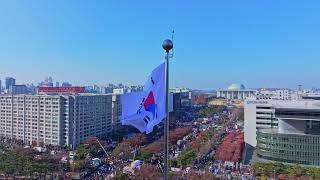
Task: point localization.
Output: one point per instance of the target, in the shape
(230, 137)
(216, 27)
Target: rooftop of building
(297, 104)
(237, 87)
(284, 104)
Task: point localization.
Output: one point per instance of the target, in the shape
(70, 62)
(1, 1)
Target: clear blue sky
(259, 43)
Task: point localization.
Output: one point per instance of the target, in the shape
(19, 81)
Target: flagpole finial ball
(167, 45)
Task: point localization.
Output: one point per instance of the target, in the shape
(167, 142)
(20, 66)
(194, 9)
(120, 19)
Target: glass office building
(296, 140)
(290, 148)
(283, 130)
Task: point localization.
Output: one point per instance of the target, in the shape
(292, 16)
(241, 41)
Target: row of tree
(210, 111)
(22, 163)
(285, 171)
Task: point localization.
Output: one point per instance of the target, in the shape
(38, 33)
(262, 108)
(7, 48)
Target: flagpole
(167, 46)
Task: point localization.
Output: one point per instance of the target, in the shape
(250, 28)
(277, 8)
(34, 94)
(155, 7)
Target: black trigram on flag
(146, 119)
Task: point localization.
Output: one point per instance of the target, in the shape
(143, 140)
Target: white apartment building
(119, 91)
(64, 120)
(267, 94)
(283, 94)
(278, 94)
(116, 110)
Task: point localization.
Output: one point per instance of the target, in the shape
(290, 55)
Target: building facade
(282, 130)
(258, 114)
(279, 94)
(289, 148)
(118, 91)
(283, 94)
(116, 111)
(64, 120)
(18, 89)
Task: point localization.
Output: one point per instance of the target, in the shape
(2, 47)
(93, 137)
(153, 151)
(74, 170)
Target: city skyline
(259, 44)
(55, 83)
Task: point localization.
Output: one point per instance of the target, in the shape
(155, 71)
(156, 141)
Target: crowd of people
(100, 172)
(110, 166)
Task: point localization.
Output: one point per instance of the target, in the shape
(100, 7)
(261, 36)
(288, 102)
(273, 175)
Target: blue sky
(259, 43)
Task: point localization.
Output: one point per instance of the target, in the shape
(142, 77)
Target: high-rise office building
(9, 82)
(64, 120)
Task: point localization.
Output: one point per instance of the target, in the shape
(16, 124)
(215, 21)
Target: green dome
(236, 86)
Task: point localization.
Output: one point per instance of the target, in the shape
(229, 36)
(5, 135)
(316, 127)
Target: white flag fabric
(146, 109)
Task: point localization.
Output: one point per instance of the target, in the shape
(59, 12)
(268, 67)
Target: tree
(16, 163)
(295, 170)
(285, 171)
(240, 113)
(260, 168)
(210, 111)
(144, 155)
(178, 134)
(78, 165)
(200, 176)
(91, 141)
(82, 151)
(203, 143)
(124, 149)
(136, 140)
(186, 158)
(313, 172)
(120, 176)
(154, 148)
(175, 175)
(148, 171)
(25, 151)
